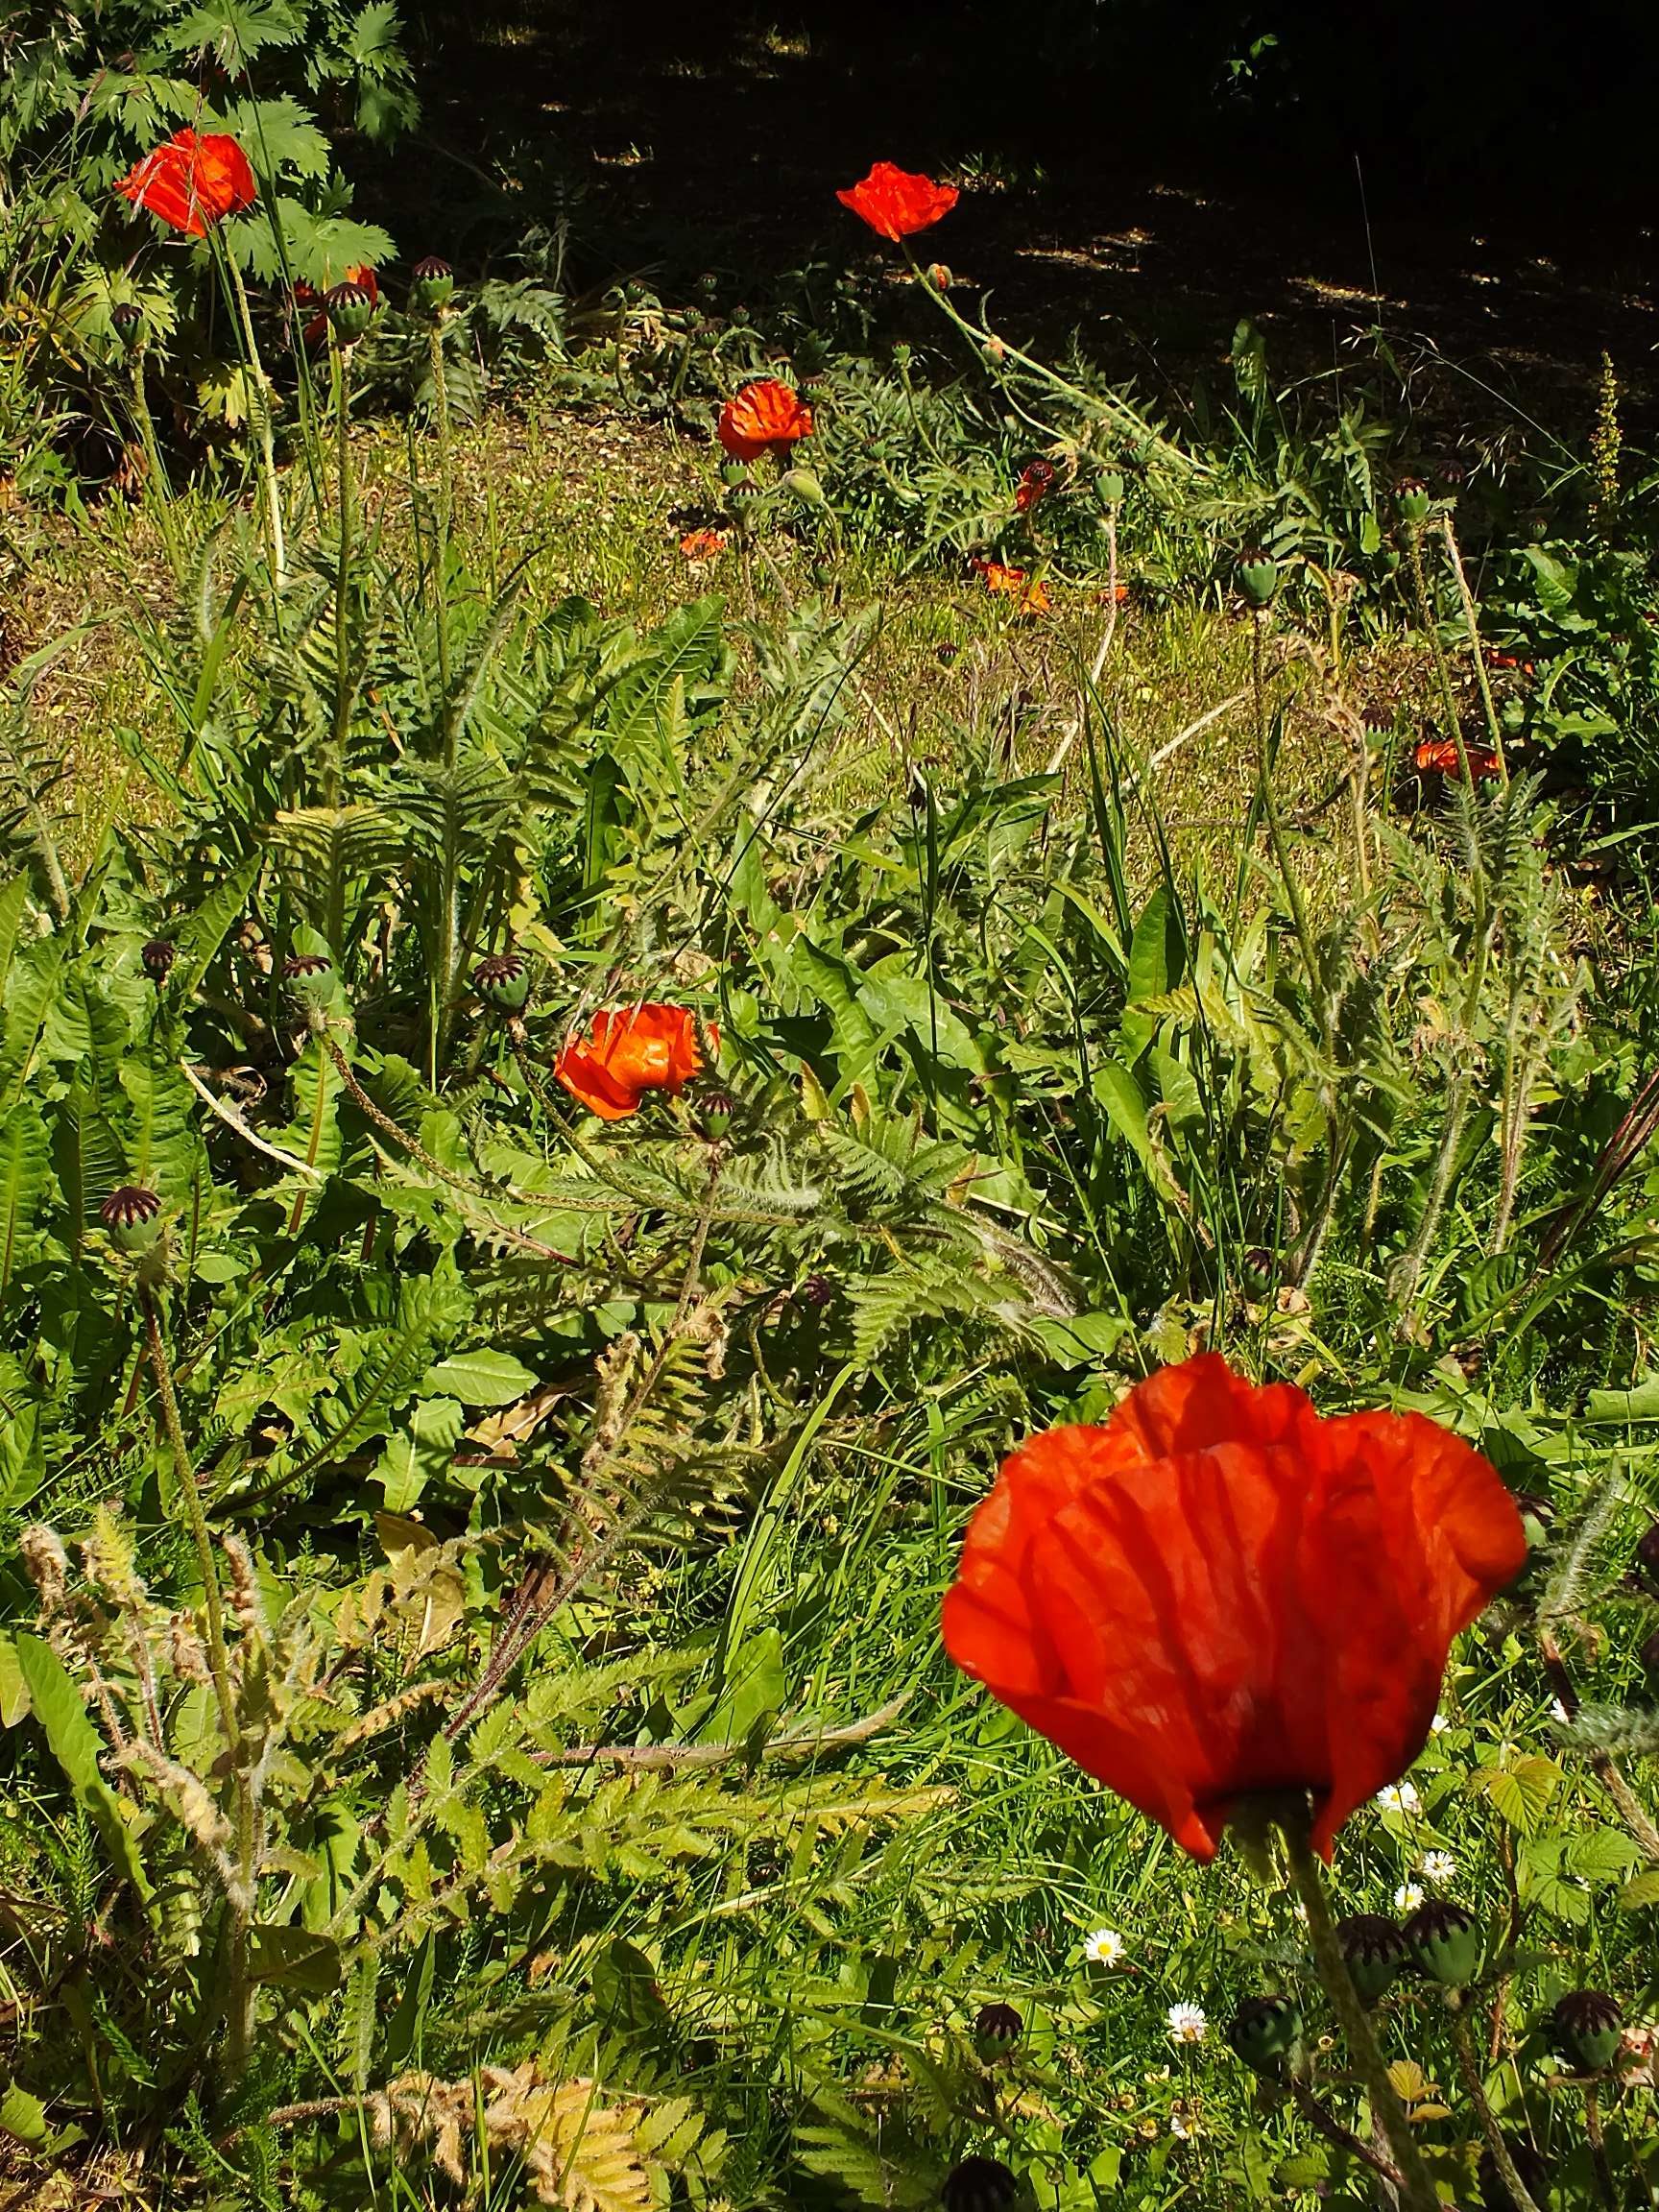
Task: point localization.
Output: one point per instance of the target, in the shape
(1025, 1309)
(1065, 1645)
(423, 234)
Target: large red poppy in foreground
(896, 202)
(192, 182)
(1221, 1593)
(765, 417)
(626, 1053)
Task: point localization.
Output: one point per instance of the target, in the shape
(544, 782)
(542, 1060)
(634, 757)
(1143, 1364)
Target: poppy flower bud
(1445, 1940)
(1588, 2027)
(1495, 2196)
(1374, 1951)
(158, 956)
(132, 1217)
(503, 981)
(1258, 577)
(1411, 494)
(128, 319)
(350, 309)
(1265, 2032)
(431, 286)
(938, 275)
(980, 2185)
(996, 2032)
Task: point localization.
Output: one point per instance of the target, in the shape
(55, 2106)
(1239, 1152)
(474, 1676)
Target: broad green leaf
(481, 1378)
(293, 1959)
(1522, 1792)
(421, 1453)
(74, 1742)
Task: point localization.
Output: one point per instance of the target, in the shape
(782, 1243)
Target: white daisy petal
(1188, 2023)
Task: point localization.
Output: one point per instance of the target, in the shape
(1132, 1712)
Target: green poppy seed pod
(1411, 495)
(128, 319)
(996, 2030)
(350, 309)
(159, 957)
(1445, 1940)
(1588, 2027)
(1258, 577)
(306, 974)
(714, 1111)
(1375, 1953)
(1257, 1271)
(503, 981)
(1495, 2196)
(1265, 2032)
(431, 286)
(132, 1217)
(1111, 487)
(980, 2185)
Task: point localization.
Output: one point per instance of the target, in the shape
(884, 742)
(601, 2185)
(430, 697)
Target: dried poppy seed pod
(159, 957)
(431, 285)
(1265, 2032)
(1375, 1953)
(1495, 2196)
(132, 1217)
(1588, 2026)
(503, 981)
(1258, 577)
(1445, 1941)
(980, 2185)
(127, 318)
(350, 309)
(997, 2029)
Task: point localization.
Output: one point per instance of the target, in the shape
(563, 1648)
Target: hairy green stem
(1468, 2066)
(1431, 630)
(1417, 2192)
(275, 539)
(445, 516)
(341, 581)
(1472, 623)
(161, 493)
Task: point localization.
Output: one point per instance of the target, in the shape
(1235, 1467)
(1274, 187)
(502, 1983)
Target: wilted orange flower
(1438, 757)
(1013, 584)
(307, 295)
(628, 1051)
(1497, 660)
(1221, 1594)
(702, 544)
(191, 182)
(897, 204)
(1036, 482)
(763, 417)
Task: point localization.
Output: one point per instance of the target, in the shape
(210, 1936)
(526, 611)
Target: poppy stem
(1417, 2192)
(1468, 2066)
(1599, 2146)
(1472, 623)
(260, 391)
(1431, 630)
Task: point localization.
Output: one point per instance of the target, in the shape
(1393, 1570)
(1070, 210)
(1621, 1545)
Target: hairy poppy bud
(158, 956)
(1258, 577)
(1265, 2032)
(350, 309)
(1445, 1940)
(1588, 2027)
(132, 1217)
(938, 275)
(996, 2032)
(1412, 497)
(978, 2185)
(1495, 2196)
(503, 981)
(431, 285)
(128, 319)
(1374, 1951)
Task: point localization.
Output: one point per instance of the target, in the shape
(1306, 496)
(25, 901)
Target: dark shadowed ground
(697, 135)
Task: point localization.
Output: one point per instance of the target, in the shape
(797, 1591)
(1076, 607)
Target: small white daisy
(1188, 2023)
(1439, 1724)
(1408, 1897)
(1439, 1867)
(1104, 1948)
(1181, 2128)
(1399, 1797)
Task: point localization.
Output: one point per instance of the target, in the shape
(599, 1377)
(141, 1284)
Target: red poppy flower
(1438, 757)
(1008, 583)
(702, 544)
(1036, 482)
(763, 417)
(627, 1052)
(1221, 1592)
(1497, 660)
(307, 295)
(191, 182)
(896, 203)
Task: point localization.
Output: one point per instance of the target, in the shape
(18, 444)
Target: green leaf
(481, 1378)
(75, 1744)
(13, 1688)
(1520, 1793)
(419, 1453)
(293, 1959)
(1642, 1403)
